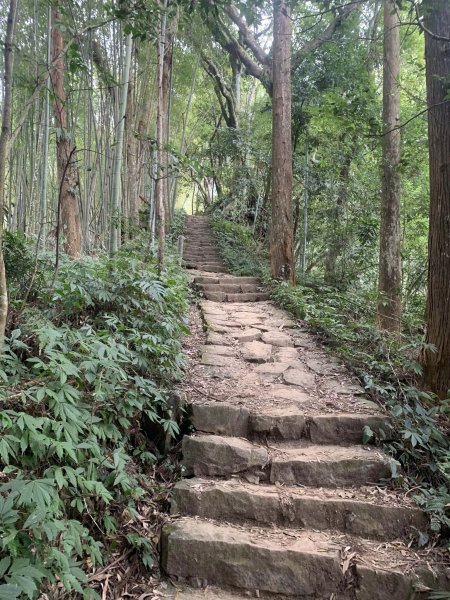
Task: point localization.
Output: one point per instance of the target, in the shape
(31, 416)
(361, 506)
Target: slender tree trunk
(337, 241)
(4, 138)
(281, 232)
(116, 186)
(68, 198)
(160, 199)
(44, 167)
(437, 51)
(390, 268)
(169, 38)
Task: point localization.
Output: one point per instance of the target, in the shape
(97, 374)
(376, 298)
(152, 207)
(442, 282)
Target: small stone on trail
(256, 352)
(299, 377)
(277, 338)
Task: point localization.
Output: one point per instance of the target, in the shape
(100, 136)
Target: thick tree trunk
(437, 50)
(281, 231)
(4, 139)
(390, 269)
(68, 199)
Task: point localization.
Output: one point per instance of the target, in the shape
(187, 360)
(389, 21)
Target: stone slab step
(305, 464)
(227, 280)
(201, 256)
(305, 565)
(185, 592)
(208, 268)
(366, 512)
(330, 466)
(230, 288)
(240, 297)
(286, 423)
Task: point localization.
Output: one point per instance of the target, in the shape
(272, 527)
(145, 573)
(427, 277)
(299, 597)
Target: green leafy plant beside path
(83, 364)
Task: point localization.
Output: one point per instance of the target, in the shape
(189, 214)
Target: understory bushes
(96, 351)
(388, 368)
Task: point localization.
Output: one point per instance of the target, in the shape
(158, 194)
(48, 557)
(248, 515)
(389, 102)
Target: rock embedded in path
(216, 456)
(247, 335)
(277, 338)
(221, 418)
(257, 352)
(218, 360)
(216, 339)
(299, 377)
(218, 349)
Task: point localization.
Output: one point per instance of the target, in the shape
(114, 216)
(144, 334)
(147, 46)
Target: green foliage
(241, 253)
(95, 352)
(21, 265)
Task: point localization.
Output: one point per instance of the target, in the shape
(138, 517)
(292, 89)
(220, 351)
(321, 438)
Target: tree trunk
(169, 39)
(437, 51)
(281, 231)
(5, 134)
(116, 186)
(68, 199)
(160, 199)
(390, 268)
(337, 240)
(45, 138)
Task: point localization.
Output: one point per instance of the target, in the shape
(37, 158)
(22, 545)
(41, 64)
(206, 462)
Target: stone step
(205, 268)
(306, 565)
(227, 280)
(210, 256)
(230, 288)
(305, 464)
(367, 512)
(210, 266)
(241, 297)
(285, 423)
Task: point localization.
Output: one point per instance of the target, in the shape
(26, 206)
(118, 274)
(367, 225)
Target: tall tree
(69, 197)
(390, 269)
(116, 185)
(282, 230)
(437, 54)
(160, 188)
(4, 139)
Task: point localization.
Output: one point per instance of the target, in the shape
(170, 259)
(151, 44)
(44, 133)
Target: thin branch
(419, 114)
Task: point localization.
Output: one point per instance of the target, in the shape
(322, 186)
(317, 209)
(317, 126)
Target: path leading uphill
(281, 497)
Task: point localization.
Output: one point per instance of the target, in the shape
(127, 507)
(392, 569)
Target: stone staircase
(281, 498)
(201, 254)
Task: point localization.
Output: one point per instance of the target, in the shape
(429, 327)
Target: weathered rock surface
(366, 515)
(257, 352)
(329, 466)
(306, 565)
(213, 455)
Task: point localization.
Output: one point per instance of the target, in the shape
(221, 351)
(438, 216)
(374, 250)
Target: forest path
(281, 497)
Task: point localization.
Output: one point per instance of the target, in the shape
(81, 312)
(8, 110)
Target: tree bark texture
(437, 52)
(390, 268)
(161, 201)
(65, 156)
(281, 230)
(4, 139)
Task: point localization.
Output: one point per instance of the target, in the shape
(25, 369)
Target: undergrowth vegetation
(387, 367)
(87, 359)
